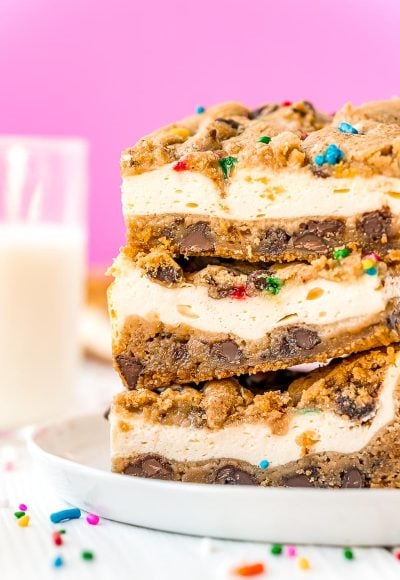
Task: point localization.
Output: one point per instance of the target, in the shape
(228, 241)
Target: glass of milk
(43, 190)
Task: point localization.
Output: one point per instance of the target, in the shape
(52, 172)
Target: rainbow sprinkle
(200, 109)
(303, 563)
(23, 522)
(340, 253)
(264, 139)
(250, 569)
(369, 264)
(58, 562)
(70, 514)
(87, 555)
(92, 519)
(264, 464)
(274, 285)
(23, 507)
(347, 128)
(348, 554)
(276, 549)
(291, 551)
(227, 164)
(331, 155)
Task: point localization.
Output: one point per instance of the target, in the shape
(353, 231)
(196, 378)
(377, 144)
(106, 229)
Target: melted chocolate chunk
(227, 351)
(231, 122)
(180, 352)
(231, 475)
(257, 280)
(150, 466)
(375, 224)
(305, 338)
(325, 228)
(198, 238)
(310, 243)
(297, 480)
(265, 110)
(130, 369)
(274, 242)
(352, 478)
(168, 274)
(347, 406)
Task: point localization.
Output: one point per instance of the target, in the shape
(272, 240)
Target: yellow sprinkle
(181, 131)
(24, 521)
(303, 563)
(367, 263)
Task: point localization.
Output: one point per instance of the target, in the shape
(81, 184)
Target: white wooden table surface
(122, 551)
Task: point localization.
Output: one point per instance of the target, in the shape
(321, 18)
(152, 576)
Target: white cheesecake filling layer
(253, 442)
(133, 294)
(253, 194)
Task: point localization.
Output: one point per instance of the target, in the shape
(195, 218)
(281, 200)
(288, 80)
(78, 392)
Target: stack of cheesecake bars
(258, 241)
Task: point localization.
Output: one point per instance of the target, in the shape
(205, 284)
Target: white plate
(74, 455)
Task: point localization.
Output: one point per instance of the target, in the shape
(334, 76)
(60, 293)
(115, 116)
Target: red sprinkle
(397, 554)
(239, 292)
(180, 166)
(57, 538)
(250, 569)
(287, 103)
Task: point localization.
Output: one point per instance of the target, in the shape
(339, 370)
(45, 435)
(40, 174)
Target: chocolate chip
(375, 224)
(130, 369)
(106, 413)
(324, 228)
(348, 406)
(265, 110)
(230, 122)
(318, 172)
(309, 242)
(297, 480)
(150, 466)
(305, 338)
(167, 274)
(394, 318)
(180, 352)
(198, 238)
(227, 351)
(257, 280)
(352, 478)
(231, 475)
(274, 242)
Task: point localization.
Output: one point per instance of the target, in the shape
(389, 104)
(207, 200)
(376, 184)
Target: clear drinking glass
(43, 190)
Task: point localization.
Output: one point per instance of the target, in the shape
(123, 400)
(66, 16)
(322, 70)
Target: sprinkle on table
(227, 164)
(332, 155)
(396, 553)
(200, 109)
(276, 549)
(340, 253)
(264, 463)
(348, 554)
(273, 285)
(87, 555)
(58, 562)
(19, 514)
(347, 128)
(248, 570)
(57, 539)
(23, 507)
(303, 563)
(92, 519)
(264, 139)
(291, 551)
(23, 522)
(63, 515)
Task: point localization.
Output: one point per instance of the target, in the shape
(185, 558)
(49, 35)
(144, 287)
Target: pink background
(112, 70)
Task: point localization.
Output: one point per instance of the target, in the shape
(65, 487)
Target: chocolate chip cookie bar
(280, 183)
(337, 426)
(192, 320)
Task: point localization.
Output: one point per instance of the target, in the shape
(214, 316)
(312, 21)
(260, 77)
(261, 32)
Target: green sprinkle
(62, 531)
(264, 139)
(19, 514)
(348, 554)
(226, 164)
(273, 285)
(276, 549)
(87, 555)
(340, 253)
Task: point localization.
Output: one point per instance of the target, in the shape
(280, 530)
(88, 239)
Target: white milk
(41, 280)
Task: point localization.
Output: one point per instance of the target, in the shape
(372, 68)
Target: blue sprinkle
(333, 154)
(263, 464)
(200, 109)
(58, 562)
(319, 159)
(347, 128)
(371, 271)
(71, 514)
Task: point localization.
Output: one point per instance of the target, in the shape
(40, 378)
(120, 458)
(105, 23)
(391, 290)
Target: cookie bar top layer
(255, 183)
(247, 302)
(339, 408)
